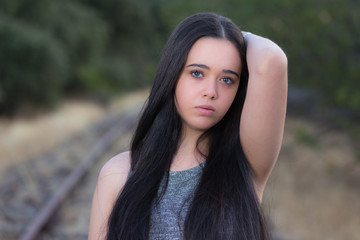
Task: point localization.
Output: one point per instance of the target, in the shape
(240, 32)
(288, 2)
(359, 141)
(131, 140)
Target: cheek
(228, 100)
(179, 89)
(182, 92)
(180, 96)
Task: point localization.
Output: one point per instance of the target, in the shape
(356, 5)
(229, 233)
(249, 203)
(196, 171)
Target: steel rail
(34, 229)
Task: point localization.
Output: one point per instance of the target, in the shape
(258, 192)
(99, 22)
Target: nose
(210, 90)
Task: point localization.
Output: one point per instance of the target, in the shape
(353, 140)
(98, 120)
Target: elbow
(279, 59)
(273, 61)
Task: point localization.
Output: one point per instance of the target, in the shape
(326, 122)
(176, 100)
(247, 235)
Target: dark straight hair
(225, 205)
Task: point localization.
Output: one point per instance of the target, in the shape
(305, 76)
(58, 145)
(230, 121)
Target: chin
(202, 126)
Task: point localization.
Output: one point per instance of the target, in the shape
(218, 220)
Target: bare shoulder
(114, 173)
(111, 180)
(118, 165)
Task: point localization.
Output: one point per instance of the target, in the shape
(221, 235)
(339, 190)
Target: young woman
(205, 144)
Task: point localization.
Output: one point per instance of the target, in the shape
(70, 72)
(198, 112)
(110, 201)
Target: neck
(187, 155)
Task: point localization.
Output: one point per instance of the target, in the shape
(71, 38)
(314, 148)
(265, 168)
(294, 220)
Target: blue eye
(227, 81)
(196, 74)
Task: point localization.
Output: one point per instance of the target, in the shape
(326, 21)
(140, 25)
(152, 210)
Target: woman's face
(208, 83)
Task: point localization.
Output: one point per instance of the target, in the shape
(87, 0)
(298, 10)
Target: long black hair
(225, 205)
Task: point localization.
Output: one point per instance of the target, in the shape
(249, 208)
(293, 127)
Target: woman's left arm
(263, 115)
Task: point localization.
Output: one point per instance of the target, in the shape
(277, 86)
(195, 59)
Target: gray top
(168, 216)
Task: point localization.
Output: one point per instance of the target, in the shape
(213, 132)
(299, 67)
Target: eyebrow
(207, 67)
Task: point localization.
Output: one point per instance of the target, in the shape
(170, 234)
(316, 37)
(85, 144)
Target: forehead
(215, 53)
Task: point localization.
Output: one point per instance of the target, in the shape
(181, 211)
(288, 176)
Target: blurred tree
(50, 41)
(32, 65)
(105, 45)
(134, 37)
(322, 42)
(81, 32)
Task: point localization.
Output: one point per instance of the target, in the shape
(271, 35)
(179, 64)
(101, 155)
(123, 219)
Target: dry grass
(24, 138)
(314, 190)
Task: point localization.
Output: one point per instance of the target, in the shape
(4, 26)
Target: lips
(205, 109)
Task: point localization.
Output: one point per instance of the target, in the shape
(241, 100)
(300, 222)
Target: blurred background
(65, 66)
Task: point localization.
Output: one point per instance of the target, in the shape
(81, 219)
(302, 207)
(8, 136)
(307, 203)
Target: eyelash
(196, 73)
(227, 78)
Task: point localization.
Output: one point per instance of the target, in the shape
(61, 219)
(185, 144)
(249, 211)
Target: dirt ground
(24, 138)
(313, 192)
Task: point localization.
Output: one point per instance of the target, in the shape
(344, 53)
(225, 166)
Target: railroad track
(50, 197)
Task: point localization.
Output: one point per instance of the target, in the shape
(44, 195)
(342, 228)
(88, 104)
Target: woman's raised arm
(263, 116)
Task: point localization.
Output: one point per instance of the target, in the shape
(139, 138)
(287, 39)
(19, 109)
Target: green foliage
(322, 43)
(43, 44)
(114, 45)
(32, 65)
(82, 34)
(109, 75)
